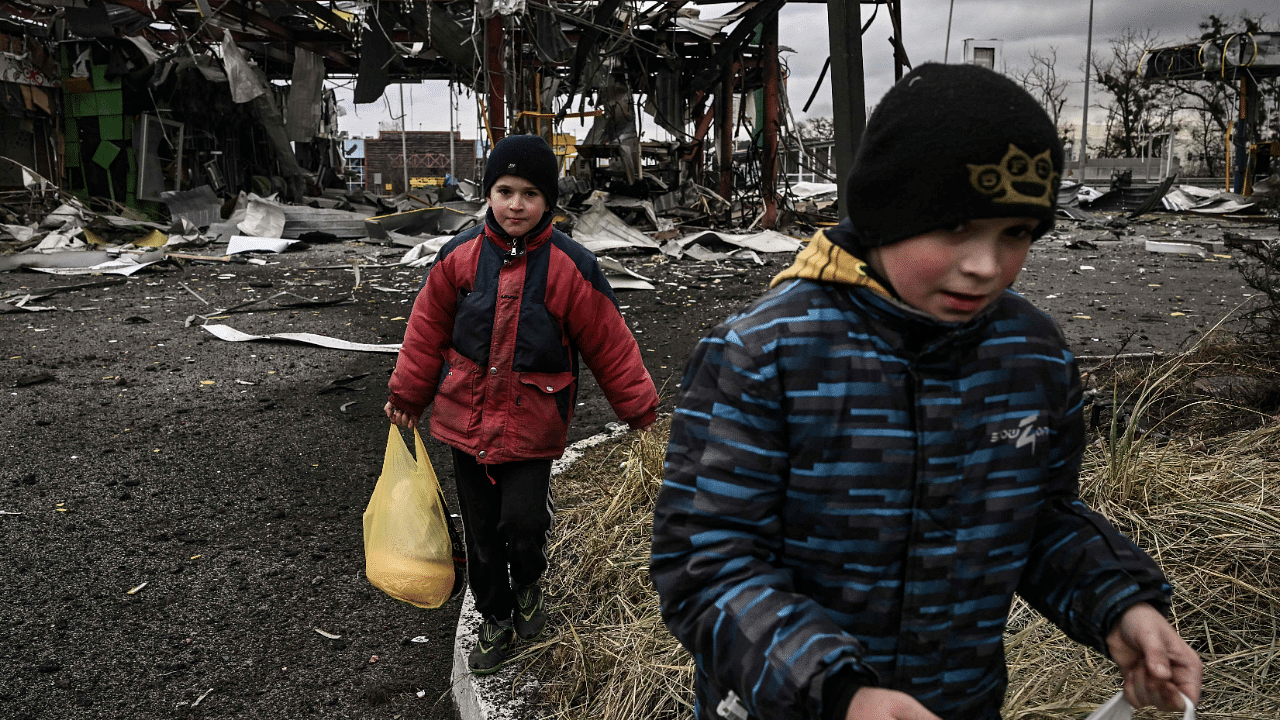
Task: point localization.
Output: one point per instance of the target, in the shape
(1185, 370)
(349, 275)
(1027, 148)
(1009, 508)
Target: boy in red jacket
(494, 340)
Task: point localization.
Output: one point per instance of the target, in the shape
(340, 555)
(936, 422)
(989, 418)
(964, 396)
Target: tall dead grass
(1212, 521)
(607, 654)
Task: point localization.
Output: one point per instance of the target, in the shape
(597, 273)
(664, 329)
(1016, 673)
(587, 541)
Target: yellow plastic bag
(408, 551)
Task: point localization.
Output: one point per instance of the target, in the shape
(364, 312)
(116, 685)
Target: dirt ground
(223, 483)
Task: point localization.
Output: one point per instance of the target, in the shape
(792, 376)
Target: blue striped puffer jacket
(854, 492)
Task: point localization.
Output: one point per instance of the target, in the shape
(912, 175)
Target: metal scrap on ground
(230, 334)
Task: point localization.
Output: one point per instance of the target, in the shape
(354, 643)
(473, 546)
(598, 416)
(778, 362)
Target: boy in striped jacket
(870, 460)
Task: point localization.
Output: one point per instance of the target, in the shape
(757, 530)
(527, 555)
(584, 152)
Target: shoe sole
(489, 671)
(486, 671)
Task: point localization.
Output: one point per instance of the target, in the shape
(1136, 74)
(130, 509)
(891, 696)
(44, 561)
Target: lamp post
(947, 48)
(404, 153)
(1084, 122)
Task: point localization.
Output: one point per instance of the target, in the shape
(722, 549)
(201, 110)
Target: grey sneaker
(493, 643)
(531, 615)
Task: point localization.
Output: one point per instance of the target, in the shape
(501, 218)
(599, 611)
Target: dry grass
(1211, 519)
(608, 655)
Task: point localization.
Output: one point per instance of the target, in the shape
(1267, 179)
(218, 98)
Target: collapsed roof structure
(170, 95)
(1243, 58)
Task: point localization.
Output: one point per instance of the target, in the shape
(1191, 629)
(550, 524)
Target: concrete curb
(491, 697)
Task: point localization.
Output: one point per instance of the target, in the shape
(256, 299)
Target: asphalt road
(182, 515)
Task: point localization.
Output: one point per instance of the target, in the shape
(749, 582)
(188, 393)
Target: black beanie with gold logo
(949, 143)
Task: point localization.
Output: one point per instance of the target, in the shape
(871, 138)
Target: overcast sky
(1021, 25)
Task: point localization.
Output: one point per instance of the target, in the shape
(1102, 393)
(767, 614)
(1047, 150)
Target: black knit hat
(526, 156)
(949, 143)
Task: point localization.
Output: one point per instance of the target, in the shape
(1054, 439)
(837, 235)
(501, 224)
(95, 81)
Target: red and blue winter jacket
(494, 339)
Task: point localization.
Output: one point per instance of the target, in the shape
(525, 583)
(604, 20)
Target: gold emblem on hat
(1017, 179)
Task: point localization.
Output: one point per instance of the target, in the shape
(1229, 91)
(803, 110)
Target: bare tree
(1207, 109)
(1044, 84)
(817, 128)
(1139, 109)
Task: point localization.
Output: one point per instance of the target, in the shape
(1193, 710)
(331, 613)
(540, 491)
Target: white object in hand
(1117, 708)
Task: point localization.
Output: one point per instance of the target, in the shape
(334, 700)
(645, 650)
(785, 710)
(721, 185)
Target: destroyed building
(127, 105)
(137, 98)
(146, 98)
(29, 128)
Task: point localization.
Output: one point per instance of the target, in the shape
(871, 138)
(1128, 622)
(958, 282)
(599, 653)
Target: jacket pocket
(543, 406)
(456, 410)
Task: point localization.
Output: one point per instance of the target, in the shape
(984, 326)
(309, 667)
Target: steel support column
(494, 41)
(899, 47)
(848, 95)
(1241, 132)
(724, 132)
(769, 159)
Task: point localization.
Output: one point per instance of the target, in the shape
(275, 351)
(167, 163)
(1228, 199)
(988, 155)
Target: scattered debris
(201, 207)
(263, 218)
(447, 219)
(600, 230)
(620, 278)
(20, 305)
(342, 384)
(230, 334)
(424, 253)
(1081, 245)
(243, 243)
(203, 695)
(193, 292)
(1176, 248)
(768, 241)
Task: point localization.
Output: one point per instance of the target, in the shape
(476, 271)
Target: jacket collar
(826, 261)
(829, 258)
(515, 247)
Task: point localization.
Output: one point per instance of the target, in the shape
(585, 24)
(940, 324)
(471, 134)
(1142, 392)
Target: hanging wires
(792, 128)
(625, 34)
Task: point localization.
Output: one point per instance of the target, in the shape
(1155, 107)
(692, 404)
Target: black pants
(507, 515)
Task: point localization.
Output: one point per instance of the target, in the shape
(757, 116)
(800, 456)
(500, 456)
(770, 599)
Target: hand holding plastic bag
(1117, 708)
(408, 548)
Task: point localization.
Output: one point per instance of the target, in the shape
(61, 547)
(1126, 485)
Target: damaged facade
(207, 110)
(29, 105)
(146, 97)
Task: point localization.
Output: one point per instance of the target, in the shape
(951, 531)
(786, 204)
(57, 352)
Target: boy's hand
(873, 703)
(398, 416)
(1156, 663)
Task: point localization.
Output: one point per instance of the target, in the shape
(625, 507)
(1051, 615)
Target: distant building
(428, 155)
(353, 152)
(987, 53)
(816, 163)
